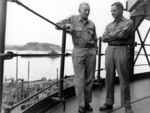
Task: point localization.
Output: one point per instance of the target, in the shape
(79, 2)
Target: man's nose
(87, 12)
(112, 13)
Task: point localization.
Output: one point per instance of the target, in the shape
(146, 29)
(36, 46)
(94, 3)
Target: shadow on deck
(140, 98)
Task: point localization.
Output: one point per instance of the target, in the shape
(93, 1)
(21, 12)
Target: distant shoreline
(34, 46)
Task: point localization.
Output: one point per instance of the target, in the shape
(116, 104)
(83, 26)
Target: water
(39, 67)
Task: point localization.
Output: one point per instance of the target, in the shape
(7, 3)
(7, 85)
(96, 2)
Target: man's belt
(118, 44)
(85, 46)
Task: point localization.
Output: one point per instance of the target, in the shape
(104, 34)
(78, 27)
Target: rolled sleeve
(125, 31)
(106, 37)
(64, 22)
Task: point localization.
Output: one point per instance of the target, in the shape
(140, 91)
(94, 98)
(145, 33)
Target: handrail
(3, 10)
(61, 76)
(10, 55)
(19, 3)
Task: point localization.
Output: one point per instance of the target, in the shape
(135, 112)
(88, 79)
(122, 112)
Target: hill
(35, 46)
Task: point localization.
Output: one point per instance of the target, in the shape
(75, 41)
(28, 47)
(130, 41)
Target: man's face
(84, 11)
(116, 12)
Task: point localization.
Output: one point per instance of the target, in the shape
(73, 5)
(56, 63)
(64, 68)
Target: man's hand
(69, 27)
(112, 35)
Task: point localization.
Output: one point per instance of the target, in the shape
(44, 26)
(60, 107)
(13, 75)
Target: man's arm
(125, 31)
(108, 36)
(66, 23)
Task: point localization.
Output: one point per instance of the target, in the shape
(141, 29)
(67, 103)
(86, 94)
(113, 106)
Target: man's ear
(79, 10)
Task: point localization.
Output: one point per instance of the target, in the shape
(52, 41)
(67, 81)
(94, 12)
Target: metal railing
(9, 55)
(35, 95)
(3, 4)
(3, 7)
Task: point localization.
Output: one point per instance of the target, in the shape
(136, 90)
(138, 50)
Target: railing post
(132, 48)
(99, 63)
(62, 66)
(3, 8)
(7, 110)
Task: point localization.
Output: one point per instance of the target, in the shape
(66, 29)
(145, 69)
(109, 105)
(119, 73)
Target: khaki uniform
(84, 56)
(118, 58)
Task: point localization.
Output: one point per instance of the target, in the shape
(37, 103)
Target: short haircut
(118, 5)
(84, 3)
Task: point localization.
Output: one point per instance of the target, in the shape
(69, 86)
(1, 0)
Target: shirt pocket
(90, 35)
(78, 32)
(90, 30)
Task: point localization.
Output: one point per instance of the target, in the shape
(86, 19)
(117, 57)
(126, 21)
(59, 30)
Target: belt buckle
(117, 44)
(89, 46)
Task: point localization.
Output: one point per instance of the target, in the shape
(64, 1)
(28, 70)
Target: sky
(22, 26)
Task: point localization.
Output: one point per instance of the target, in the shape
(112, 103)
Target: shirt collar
(80, 19)
(120, 19)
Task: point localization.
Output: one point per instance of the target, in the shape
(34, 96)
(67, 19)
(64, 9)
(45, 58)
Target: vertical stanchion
(28, 77)
(17, 91)
(57, 77)
(132, 58)
(62, 67)
(99, 63)
(132, 47)
(3, 8)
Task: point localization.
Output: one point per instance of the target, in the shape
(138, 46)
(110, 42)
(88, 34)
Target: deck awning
(139, 8)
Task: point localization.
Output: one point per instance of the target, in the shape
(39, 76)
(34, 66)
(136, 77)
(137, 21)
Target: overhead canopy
(139, 8)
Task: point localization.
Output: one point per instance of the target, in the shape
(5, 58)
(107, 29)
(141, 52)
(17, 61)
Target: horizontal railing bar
(11, 55)
(143, 54)
(140, 64)
(144, 44)
(41, 55)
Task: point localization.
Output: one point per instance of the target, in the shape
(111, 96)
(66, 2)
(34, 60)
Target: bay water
(36, 68)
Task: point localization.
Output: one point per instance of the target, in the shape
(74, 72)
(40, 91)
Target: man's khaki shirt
(121, 30)
(83, 34)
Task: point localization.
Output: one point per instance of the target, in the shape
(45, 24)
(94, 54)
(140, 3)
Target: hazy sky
(23, 26)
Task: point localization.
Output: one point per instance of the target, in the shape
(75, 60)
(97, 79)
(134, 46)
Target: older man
(84, 38)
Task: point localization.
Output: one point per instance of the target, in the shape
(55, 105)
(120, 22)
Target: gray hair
(84, 3)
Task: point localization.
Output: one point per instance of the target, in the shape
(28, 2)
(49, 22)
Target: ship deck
(140, 99)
